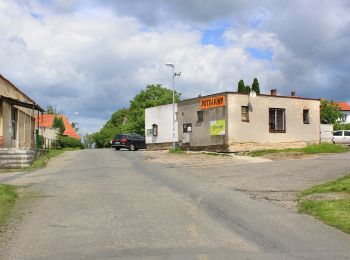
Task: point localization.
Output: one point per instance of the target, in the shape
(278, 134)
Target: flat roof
(237, 93)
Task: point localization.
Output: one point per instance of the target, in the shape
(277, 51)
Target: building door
(14, 119)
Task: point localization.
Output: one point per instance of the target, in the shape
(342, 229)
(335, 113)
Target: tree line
(132, 119)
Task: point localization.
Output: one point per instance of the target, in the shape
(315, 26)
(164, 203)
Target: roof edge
(16, 88)
(264, 95)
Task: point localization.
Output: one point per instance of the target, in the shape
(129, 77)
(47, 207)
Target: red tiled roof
(46, 120)
(344, 106)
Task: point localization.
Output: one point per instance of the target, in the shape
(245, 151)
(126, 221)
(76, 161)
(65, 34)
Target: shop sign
(218, 101)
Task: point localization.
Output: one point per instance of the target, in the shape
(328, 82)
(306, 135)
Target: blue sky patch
(214, 35)
(255, 23)
(36, 16)
(260, 54)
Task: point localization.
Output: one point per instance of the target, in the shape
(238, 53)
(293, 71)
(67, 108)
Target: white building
(345, 109)
(159, 127)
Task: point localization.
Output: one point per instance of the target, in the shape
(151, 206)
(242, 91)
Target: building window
(187, 128)
(14, 113)
(277, 120)
(176, 115)
(155, 130)
(199, 116)
(306, 117)
(244, 114)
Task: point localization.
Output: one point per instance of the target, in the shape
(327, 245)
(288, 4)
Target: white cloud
(93, 56)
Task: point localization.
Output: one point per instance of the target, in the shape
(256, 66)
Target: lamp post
(172, 65)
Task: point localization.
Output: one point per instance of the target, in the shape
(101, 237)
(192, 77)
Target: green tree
(50, 110)
(330, 112)
(58, 123)
(88, 140)
(241, 87)
(247, 89)
(154, 95)
(75, 126)
(132, 119)
(255, 86)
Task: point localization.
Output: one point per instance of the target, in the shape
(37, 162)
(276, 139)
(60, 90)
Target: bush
(70, 142)
(340, 126)
(40, 141)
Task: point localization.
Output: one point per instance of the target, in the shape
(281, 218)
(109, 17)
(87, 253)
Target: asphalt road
(104, 204)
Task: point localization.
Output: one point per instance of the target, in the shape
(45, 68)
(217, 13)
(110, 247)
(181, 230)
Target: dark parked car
(131, 141)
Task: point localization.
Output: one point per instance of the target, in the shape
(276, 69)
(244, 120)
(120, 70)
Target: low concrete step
(16, 158)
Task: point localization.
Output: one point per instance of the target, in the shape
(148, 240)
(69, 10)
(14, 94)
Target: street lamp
(174, 74)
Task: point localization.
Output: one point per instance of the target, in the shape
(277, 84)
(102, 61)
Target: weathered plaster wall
(255, 133)
(25, 119)
(200, 135)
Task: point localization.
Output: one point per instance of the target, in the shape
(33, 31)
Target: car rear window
(118, 137)
(346, 133)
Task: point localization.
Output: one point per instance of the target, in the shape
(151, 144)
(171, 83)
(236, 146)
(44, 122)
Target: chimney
(273, 92)
(293, 94)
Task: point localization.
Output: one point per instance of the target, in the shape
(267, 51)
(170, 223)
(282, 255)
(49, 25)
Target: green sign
(217, 127)
(149, 131)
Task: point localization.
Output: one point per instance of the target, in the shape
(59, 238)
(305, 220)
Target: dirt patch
(287, 155)
(197, 159)
(285, 199)
(328, 196)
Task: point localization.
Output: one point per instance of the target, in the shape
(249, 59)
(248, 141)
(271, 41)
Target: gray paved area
(103, 204)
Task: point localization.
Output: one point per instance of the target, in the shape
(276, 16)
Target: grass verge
(311, 149)
(334, 212)
(8, 198)
(42, 161)
(177, 150)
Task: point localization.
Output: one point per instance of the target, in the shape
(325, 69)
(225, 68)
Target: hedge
(67, 141)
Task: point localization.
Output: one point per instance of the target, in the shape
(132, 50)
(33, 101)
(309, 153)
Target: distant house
(231, 122)
(345, 109)
(17, 117)
(44, 122)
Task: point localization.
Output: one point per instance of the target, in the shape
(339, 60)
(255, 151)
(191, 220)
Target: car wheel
(117, 148)
(132, 147)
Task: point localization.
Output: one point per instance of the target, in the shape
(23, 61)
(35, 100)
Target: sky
(89, 58)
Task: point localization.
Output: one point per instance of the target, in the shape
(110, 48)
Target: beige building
(231, 121)
(17, 117)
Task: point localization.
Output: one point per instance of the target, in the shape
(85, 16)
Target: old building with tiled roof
(345, 109)
(45, 121)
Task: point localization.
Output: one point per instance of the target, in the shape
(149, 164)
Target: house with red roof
(44, 122)
(345, 109)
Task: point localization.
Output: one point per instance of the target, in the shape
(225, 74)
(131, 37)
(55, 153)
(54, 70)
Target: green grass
(333, 212)
(311, 149)
(42, 161)
(340, 185)
(324, 148)
(177, 150)
(7, 201)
